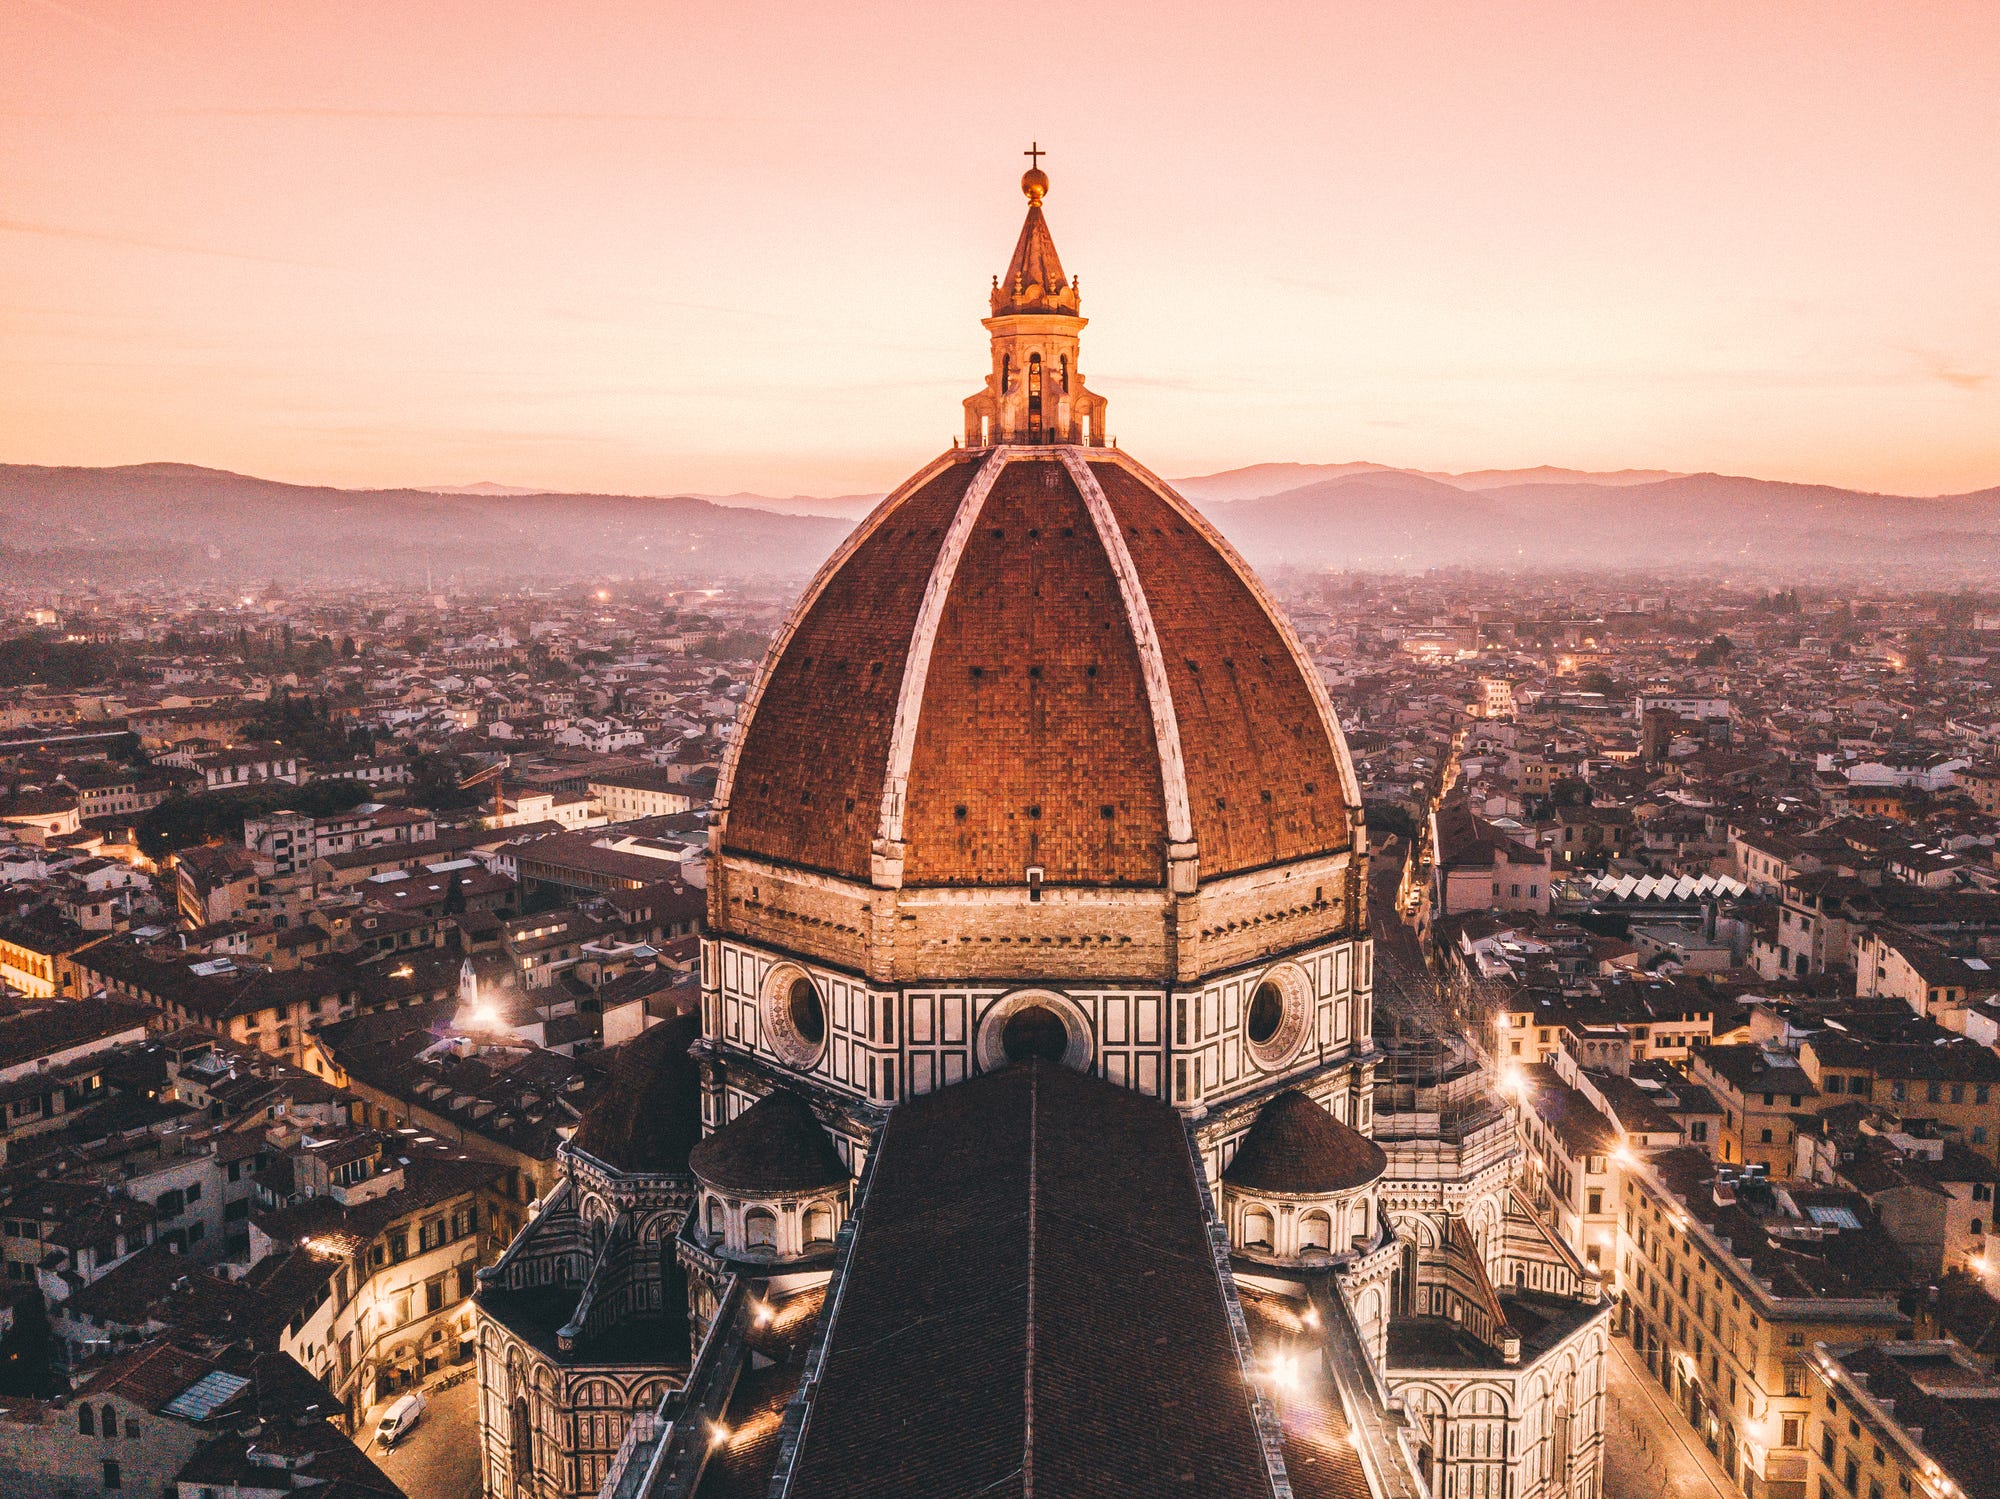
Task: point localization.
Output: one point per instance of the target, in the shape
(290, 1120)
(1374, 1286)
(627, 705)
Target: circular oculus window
(794, 1018)
(1278, 1018)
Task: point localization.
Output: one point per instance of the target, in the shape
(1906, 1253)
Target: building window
(760, 1229)
(86, 1421)
(1791, 1436)
(1257, 1229)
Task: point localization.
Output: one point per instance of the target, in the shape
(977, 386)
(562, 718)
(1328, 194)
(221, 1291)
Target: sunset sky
(655, 247)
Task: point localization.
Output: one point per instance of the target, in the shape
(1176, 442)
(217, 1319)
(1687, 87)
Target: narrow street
(440, 1459)
(1649, 1451)
(1404, 988)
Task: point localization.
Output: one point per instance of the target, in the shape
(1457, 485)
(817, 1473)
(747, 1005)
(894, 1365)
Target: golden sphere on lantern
(1035, 183)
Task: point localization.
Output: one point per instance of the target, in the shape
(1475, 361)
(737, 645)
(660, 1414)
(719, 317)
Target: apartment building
(1762, 1092)
(1728, 1280)
(1916, 1420)
(372, 1241)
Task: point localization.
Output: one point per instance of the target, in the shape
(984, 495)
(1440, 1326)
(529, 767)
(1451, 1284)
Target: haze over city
(798, 752)
(659, 249)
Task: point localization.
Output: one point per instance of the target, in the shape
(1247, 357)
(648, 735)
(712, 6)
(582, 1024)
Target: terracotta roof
(1072, 1206)
(148, 1376)
(775, 1145)
(650, 1117)
(1034, 741)
(1295, 1146)
(1951, 1411)
(808, 783)
(1265, 778)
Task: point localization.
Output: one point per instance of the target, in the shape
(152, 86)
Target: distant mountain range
(177, 521)
(1263, 479)
(1397, 520)
(850, 507)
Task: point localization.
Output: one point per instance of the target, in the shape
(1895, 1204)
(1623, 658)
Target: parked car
(400, 1419)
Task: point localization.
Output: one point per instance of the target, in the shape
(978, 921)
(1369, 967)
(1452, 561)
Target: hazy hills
(170, 520)
(1397, 520)
(848, 507)
(1262, 479)
(174, 520)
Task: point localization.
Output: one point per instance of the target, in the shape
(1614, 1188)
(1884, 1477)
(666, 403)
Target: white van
(400, 1419)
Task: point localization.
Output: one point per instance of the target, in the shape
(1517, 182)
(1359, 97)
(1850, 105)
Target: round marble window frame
(990, 1046)
(1295, 1023)
(774, 1014)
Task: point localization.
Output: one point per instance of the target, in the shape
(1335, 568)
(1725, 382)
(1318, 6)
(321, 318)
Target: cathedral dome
(1297, 1148)
(1034, 721)
(1038, 659)
(775, 1147)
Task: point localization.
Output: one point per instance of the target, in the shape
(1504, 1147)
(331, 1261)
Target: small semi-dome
(775, 1147)
(1298, 1148)
(649, 1117)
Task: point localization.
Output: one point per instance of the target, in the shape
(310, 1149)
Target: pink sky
(656, 247)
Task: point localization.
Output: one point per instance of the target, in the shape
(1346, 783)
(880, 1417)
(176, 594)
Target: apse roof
(1032, 1305)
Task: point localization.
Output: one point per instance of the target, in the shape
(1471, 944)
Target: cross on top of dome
(1035, 281)
(1035, 181)
(1035, 393)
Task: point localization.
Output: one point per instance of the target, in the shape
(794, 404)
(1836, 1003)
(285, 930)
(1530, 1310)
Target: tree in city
(1717, 651)
(28, 1352)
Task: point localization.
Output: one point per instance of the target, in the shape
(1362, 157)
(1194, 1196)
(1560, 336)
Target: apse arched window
(715, 1217)
(819, 1224)
(522, 1440)
(1062, 370)
(1256, 1229)
(1006, 373)
(1035, 395)
(108, 1421)
(86, 1421)
(760, 1229)
(1315, 1232)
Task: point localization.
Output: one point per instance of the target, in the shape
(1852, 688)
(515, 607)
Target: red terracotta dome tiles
(1034, 747)
(1264, 779)
(808, 784)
